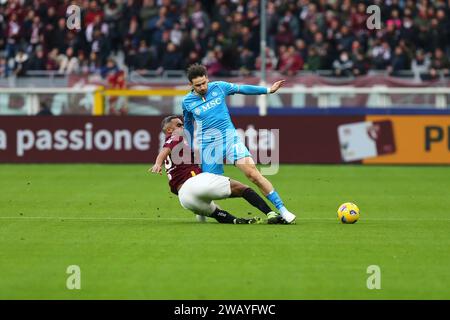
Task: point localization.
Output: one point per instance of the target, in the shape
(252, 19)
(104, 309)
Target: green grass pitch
(132, 240)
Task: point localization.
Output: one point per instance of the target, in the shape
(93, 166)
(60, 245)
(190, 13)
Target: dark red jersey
(178, 170)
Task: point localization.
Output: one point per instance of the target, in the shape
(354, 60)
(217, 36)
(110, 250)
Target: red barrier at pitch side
(291, 139)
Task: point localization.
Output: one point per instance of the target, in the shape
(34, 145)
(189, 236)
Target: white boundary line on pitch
(186, 219)
(90, 218)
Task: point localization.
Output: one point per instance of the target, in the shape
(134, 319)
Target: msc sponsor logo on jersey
(208, 105)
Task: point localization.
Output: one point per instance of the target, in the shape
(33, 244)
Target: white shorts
(197, 193)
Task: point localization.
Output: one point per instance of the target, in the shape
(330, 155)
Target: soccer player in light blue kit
(216, 134)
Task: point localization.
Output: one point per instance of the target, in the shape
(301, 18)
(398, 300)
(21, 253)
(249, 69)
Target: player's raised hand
(277, 85)
(155, 169)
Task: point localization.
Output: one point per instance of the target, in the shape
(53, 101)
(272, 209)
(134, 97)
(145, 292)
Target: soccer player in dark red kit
(196, 190)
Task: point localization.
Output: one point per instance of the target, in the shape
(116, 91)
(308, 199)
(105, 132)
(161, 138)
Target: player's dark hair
(196, 70)
(166, 121)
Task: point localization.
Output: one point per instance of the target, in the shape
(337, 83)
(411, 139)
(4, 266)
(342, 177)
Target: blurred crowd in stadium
(162, 35)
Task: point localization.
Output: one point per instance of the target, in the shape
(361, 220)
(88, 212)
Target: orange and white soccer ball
(348, 212)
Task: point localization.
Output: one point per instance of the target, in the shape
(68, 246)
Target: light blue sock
(276, 200)
(283, 210)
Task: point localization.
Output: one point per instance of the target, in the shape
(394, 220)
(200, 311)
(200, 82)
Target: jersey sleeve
(188, 121)
(232, 88)
(228, 88)
(252, 90)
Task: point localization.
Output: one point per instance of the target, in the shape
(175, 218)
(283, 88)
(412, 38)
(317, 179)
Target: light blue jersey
(216, 134)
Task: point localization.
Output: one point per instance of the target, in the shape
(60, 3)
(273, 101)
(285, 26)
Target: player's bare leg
(248, 167)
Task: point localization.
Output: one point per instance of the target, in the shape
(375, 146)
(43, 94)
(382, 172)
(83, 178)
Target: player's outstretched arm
(256, 90)
(157, 167)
